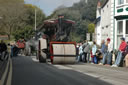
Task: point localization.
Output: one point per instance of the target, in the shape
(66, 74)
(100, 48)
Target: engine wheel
(42, 60)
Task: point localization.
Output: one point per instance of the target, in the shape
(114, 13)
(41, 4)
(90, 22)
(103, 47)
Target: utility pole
(35, 19)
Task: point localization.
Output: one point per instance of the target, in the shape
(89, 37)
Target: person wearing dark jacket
(126, 55)
(3, 46)
(3, 49)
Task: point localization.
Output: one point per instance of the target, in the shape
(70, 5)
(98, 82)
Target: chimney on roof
(99, 4)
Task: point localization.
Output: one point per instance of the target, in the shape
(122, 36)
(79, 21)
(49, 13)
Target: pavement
(28, 71)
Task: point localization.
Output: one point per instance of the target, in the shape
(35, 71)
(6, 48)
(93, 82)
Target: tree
(12, 15)
(30, 10)
(83, 14)
(16, 15)
(25, 33)
(91, 28)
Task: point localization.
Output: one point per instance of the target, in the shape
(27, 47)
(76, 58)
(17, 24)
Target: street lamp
(36, 14)
(35, 19)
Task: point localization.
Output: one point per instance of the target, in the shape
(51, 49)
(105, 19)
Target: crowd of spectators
(16, 47)
(103, 54)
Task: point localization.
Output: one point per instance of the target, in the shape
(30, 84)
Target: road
(27, 71)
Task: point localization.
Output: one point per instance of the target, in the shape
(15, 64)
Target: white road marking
(34, 59)
(10, 74)
(62, 67)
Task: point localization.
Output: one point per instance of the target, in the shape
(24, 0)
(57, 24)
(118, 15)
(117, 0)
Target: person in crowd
(107, 55)
(126, 55)
(103, 47)
(21, 46)
(86, 51)
(110, 51)
(120, 56)
(3, 46)
(12, 49)
(77, 50)
(92, 57)
(3, 49)
(126, 60)
(102, 50)
(16, 49)
(80, 53)
(94, 49)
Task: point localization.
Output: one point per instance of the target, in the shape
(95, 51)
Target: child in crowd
(94, 49)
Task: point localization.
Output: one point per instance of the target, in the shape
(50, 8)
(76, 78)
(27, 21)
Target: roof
(121, 17)
(105, 2)
(55, 21)
(98, 19)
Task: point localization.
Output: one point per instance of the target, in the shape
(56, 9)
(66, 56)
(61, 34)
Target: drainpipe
(114, 28)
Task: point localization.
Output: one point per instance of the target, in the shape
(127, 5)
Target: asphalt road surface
(29, 72)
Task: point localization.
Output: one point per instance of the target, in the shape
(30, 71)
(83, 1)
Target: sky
(48, 6)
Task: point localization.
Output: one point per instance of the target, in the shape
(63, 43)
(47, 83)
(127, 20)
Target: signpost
(93, 37)
(88, 36)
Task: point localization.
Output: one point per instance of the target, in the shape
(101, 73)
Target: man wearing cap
(107, 57)
(120, 57)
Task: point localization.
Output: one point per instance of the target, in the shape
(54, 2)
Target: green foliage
(25, 33)
(83, 14)
(16, 15)
(30, 10)
(91, 28)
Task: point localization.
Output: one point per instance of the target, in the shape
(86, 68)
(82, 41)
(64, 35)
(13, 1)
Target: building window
(120, 2)
(127, 27)
(126, 1)
(120, 27)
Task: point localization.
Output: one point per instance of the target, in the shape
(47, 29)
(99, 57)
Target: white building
(105, 21)
(112, 21)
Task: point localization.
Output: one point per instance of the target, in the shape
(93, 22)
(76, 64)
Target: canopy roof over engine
(58, 28)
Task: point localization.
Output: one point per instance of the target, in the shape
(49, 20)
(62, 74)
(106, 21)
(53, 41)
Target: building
(3, 37)
(112, 21)
(121, 21)
(104, 21)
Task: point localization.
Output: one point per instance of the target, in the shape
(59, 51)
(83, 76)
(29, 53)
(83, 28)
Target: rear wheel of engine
(42, 60)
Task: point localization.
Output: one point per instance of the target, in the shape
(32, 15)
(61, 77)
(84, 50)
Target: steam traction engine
(55, 42)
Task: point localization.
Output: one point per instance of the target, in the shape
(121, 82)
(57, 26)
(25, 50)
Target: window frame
(126, 27)
(118, 27)
(120, 3)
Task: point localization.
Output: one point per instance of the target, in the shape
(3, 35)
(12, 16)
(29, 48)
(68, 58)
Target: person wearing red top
(120, 57)
(123, 46)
